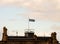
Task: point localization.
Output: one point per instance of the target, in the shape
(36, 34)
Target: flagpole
(30, 20)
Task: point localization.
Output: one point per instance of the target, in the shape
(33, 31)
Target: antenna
(16, 33)
(44, 34)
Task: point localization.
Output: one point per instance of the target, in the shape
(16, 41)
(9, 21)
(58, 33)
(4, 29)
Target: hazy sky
(14, 15)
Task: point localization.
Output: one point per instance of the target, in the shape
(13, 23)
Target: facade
(28, 38)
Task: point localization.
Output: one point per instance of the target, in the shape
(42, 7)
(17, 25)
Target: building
(29, 38)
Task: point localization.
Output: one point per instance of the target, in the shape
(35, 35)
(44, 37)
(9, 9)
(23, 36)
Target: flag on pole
(32, 20)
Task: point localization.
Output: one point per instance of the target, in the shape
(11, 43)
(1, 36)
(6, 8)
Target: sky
(14, 15)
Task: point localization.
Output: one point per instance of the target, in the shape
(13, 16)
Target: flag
(32, 20)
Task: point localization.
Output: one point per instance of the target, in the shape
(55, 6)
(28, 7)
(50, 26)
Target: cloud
(40, 9)
(55, 27)
(33, 4)
(42, 16)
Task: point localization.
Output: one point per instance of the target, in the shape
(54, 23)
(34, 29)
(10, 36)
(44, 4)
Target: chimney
(4, 38)
(53, 35)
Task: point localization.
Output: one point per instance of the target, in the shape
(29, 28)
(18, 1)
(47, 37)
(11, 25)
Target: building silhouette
(29, 38)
